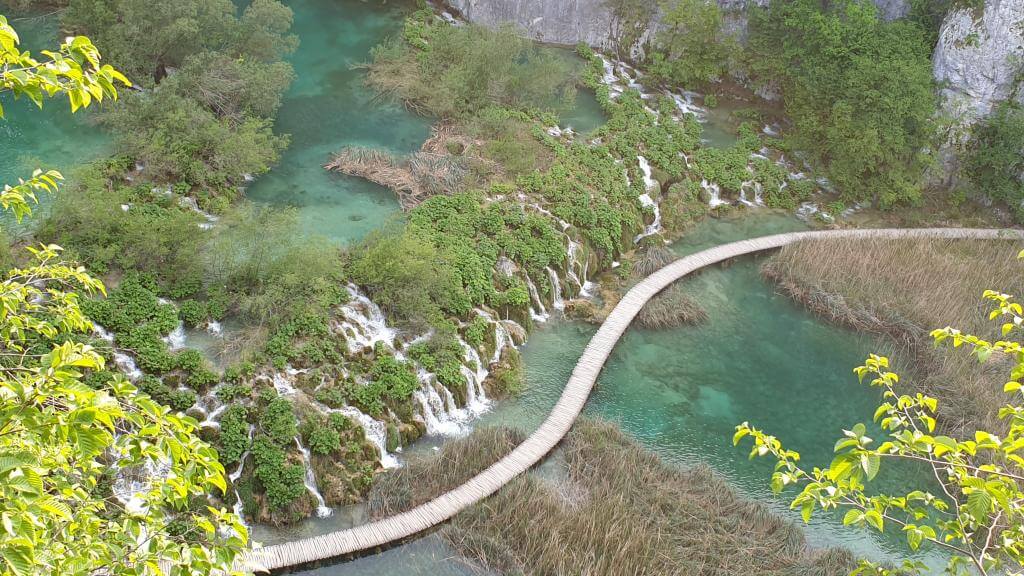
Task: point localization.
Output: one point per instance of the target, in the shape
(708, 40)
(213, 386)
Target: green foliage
(858, 89)
(691, 48)
(153, 235)
(178, 139)
(397, 378)
(282, 482)
(278, 422)
(234, 433)
(57, 433)
(476, 332)
(979, 477)
(192, 313)
(134, 314)
(322, 437)
(993, 161)
(270, 272)
(452, 71)
(73, 69)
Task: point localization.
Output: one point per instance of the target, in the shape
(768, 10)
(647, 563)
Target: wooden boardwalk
(565, 411)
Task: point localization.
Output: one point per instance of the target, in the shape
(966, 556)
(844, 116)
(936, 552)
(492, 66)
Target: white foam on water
(537, 310)
(556, 289)
(376, 433)
(365, 324)
(322, 511)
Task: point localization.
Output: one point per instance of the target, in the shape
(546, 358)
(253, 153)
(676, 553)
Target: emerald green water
(329, 107)
(51, 138)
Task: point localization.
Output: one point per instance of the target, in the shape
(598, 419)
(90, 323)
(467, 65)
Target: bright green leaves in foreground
(976, 515)
(74, 70)
(92, 480)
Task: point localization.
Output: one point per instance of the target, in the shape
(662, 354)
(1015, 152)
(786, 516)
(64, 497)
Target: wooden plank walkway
(565, 411)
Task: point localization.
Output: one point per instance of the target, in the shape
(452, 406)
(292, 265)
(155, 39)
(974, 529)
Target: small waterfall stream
(647, 202)
(322, 511)
(376, 433)
(540, 313)
(556, 289)
(364, 324)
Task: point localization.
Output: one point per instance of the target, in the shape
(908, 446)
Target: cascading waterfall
(647, 202)
(556, 289)
(375, 431)
(439, 418)
(477, 402)
(176, 339)
(214, 328)
(542, 315)
(125, 363)
(714, 192)
(239, 508)
(364, 323)
(322, 511)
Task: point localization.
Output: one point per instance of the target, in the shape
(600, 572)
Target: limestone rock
(978, 57)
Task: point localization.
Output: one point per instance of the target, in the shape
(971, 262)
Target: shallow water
(52, 138)
(329, 107)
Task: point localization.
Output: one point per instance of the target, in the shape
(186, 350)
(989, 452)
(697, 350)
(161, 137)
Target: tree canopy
(94, 476)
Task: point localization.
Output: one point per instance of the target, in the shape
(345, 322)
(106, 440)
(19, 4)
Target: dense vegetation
(993, 160)
(857, 89)
(213, 80)
(72, 433)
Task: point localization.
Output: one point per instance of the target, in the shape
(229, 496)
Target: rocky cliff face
(590, 21)
(978, 58)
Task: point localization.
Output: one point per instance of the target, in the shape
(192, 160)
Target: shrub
(192, 313)
(282, 482)
(234, 433)
(278, 422)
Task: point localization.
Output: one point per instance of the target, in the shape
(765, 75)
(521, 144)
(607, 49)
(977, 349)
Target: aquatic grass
(902, 289)
(607, 507)
(671, 308)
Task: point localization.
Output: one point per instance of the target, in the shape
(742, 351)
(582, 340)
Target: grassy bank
(611, 508)
(902, 289)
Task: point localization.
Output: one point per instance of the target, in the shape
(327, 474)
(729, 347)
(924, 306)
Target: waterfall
(239, 509)
(322, 511)
(176, 339)
(214, 328)
(556, 289)
(502, 338)
(440, 419)
(715, 192)
(124, 362)
(127, 365)
(541, 316)
(477, 401)
(375, 431)
(283, 384)
(364, 323)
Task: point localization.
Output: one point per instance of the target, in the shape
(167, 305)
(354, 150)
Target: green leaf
(870, 463)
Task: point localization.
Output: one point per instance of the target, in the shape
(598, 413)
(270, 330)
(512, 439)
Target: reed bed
(671, 308)
(901, 290)
(613, 508)
(412, 178)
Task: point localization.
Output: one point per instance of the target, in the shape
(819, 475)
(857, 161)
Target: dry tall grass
(615, 510)
(670, 308)
(902, 289)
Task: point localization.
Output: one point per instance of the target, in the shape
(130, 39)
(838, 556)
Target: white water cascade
(540, 313)
(176, 339)
(239, 509)
(322, 511)
(376, 433)
(364, 323)
(647, 202)
(556, 289)
(476, 397)
(714, 192)
(124, 362)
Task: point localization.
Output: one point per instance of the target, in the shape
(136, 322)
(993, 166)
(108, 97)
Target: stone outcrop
(977, 59)
(590, 21)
